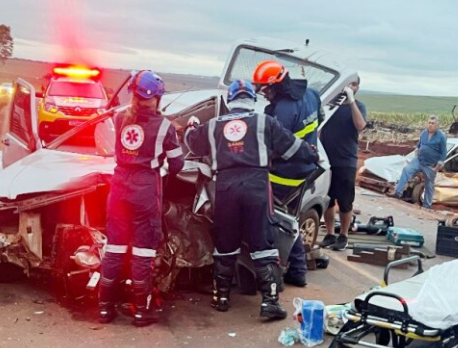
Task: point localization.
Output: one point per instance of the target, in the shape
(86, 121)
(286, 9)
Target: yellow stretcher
(380, 318)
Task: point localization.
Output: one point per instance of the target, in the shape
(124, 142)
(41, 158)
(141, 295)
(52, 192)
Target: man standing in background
(340, 140)
(430, 154)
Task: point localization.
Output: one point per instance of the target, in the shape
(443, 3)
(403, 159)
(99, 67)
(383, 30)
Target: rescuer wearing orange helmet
(298, 109)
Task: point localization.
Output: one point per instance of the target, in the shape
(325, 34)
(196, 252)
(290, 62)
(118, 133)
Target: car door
(21, 136)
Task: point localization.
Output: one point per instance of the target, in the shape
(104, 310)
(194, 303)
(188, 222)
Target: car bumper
(51, 125)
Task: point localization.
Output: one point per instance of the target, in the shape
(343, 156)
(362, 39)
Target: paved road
(30, 317)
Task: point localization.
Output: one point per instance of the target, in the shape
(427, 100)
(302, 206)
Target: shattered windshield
(246, 59)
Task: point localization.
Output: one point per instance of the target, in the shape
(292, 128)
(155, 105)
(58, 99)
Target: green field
(407, 109)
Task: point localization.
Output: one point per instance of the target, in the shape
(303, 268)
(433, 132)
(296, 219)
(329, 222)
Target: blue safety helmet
(238, 87)
(147, 84)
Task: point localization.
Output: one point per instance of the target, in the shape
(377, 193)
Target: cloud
(388, 41)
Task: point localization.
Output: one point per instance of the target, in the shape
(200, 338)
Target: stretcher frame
(388, 326)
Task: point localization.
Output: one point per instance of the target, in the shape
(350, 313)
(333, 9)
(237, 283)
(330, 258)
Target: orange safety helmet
(269, 72)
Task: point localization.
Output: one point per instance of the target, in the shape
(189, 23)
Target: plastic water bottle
(312, 323)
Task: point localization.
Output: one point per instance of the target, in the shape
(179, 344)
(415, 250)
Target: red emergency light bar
(76, 71)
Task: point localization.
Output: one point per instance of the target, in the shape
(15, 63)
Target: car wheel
(309, 223)
(418, 193)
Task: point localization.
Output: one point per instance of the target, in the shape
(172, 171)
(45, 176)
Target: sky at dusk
(401, 47)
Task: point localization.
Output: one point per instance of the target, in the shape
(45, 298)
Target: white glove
(193, 122)
(350, 95)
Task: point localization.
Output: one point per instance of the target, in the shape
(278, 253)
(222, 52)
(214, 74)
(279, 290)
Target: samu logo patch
(235, 130)
(132, 137)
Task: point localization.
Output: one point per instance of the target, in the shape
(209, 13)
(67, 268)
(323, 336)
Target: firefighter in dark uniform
(298, 109)
(241, 145)
(144, 139)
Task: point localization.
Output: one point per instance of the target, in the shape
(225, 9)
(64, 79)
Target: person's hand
(350, 95)
(438, 166)
(193, 122)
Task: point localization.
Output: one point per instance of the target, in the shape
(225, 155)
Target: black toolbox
(447, 240)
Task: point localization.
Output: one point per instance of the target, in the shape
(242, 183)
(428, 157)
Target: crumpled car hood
(49, 170)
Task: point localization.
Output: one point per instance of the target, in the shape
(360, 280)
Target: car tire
(309, 223)
(417, 193)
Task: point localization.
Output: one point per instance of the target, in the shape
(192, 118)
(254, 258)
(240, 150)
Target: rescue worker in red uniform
(298, 109)
(144, 139)
(241, 146)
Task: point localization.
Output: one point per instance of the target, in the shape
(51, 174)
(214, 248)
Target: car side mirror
(39, 94)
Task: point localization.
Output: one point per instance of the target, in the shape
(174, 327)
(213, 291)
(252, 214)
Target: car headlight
(51, 108)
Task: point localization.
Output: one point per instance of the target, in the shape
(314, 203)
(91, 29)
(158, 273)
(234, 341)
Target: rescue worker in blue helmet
(241, 145)
(298, 109)
(144, 140)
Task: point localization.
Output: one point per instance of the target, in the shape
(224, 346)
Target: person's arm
(286, 145)
(358, 116)
(173, 151)
(443, 153)
(417, 149)
(196, 137)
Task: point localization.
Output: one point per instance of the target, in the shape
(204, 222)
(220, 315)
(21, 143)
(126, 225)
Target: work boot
(268, 278)
(224, 270)
(298, 281)
(341, 243)
(221, 292)
(107, 313)
(328, 240)
(107, 299)
(145, 314)
(393, 194)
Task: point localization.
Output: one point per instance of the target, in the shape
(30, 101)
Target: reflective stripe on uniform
(217, 253)
(158, 148)
(116, 249)
(174, 153)
(188, 129)
(284, 181)
(307, 129)
(260, 133)
(143, 252)
(212, 141)
(293, 149)
(263, 254)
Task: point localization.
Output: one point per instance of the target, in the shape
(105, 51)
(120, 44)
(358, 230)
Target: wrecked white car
(53, 195)
(382, 174)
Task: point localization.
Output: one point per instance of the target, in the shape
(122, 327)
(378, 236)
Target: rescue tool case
(401, 236)
(447, 240)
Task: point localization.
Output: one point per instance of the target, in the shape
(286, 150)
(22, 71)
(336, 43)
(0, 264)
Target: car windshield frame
(76, 89)
(298, 68)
